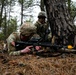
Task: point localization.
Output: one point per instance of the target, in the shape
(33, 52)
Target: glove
(27, 49)
(38, 47)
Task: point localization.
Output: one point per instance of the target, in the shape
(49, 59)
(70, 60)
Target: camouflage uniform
(42, 27)
(25, 29)
(15, 36)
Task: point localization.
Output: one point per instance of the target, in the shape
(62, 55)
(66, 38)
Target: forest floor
(31, 64)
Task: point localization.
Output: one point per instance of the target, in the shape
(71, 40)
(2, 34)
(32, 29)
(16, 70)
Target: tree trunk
(22, 13)
(1, 12)
(42, 5)
(69, 6)
(5, 26)
(60, 22)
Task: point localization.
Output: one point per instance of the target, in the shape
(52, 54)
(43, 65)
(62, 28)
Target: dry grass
(33, 65)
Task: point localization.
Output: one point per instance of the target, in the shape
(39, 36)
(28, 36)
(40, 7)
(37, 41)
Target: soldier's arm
(11, 45)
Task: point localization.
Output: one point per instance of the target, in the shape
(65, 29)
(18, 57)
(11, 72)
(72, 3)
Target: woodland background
(31, 64)
(9, 22)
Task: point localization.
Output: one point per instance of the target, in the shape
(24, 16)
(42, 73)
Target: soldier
(42, 26)
(27, 31)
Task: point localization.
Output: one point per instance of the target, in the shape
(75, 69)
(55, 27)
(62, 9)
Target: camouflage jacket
(41, 29)
(15, 36)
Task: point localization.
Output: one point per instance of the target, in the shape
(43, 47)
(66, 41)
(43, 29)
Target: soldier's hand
(27, 49)
(38, 47)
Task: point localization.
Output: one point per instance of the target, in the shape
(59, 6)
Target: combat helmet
(27, 28)
(42, 14)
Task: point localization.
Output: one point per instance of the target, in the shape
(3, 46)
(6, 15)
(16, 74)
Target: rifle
(35, 42)
(21, 45)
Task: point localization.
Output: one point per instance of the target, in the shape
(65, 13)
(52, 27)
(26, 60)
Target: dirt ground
(32, 64)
